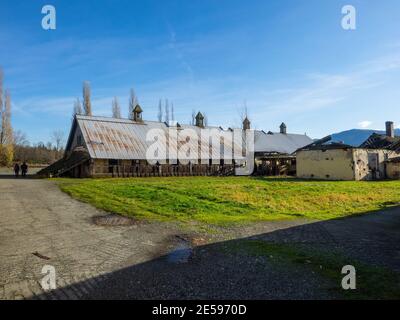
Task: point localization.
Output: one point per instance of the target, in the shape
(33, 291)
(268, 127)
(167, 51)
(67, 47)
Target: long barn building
(110, 147)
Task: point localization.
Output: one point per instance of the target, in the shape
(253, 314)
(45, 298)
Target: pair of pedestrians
(23, 168)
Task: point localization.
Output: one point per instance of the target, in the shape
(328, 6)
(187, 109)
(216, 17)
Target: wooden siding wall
(275, 167)
(123, 169)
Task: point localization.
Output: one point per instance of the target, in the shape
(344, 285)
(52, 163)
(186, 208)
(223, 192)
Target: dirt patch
(113, 220)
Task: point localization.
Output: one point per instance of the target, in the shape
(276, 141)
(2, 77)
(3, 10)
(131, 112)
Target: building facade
(372, 160)
(110, 147)
(343, 163)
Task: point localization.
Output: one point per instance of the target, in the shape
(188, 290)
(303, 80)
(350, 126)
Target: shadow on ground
(234, 270)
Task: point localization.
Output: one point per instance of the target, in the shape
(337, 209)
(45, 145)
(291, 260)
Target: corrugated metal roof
(279, 142)
(110, 138)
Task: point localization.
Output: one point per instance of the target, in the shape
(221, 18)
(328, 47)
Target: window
(111, 164)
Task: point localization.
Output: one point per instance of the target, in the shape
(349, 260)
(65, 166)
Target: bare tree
(160, 113)
(172, 113)
(1, 95)
(20, 138)
(6, 129)
(244, 112)
(116, 109)
(205, 119)
(1, 107)
(57, 137)
(77, 107)
(193, 117)
(133, 102)
(166, 111)
(87, 104)
(6, 133)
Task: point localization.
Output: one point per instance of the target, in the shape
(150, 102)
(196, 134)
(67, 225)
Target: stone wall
(335, 164)
(343, 164)
(393, 170)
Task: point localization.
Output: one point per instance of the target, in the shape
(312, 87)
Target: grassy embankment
(225, 200)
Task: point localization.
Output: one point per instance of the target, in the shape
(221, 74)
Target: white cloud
(364, 124)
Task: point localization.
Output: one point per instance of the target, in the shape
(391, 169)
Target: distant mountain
(355, 137)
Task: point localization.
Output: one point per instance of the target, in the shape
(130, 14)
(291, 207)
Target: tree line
(14, 145)
(6, 132)
(166, 112)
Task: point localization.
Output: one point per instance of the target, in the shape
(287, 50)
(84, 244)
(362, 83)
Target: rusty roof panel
(109, 138)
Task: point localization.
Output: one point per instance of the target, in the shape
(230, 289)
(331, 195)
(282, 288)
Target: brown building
(110, 147)
(275, 152)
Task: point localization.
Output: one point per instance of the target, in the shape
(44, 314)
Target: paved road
(134, 262)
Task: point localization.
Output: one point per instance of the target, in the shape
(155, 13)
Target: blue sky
(286, 60)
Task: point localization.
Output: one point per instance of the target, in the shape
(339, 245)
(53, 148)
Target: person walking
(24, 169)
(16, 170)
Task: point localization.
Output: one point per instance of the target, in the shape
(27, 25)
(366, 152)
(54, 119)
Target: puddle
(181, 253)
(113, 220)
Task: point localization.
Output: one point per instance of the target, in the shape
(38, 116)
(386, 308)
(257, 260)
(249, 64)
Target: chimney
(246, 124)
(199, 120)
(137, 114)
(283, 128)
(390, 129)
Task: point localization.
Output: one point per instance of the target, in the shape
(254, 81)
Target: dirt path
(35, 216)
(134, 262)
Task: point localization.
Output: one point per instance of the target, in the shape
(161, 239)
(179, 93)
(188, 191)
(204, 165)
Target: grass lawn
(225, 200)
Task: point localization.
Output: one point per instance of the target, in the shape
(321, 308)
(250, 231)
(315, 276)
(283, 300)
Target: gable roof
(125, 139)
(137, 109)
(274, 142)
(111, 138)
(199, 116)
